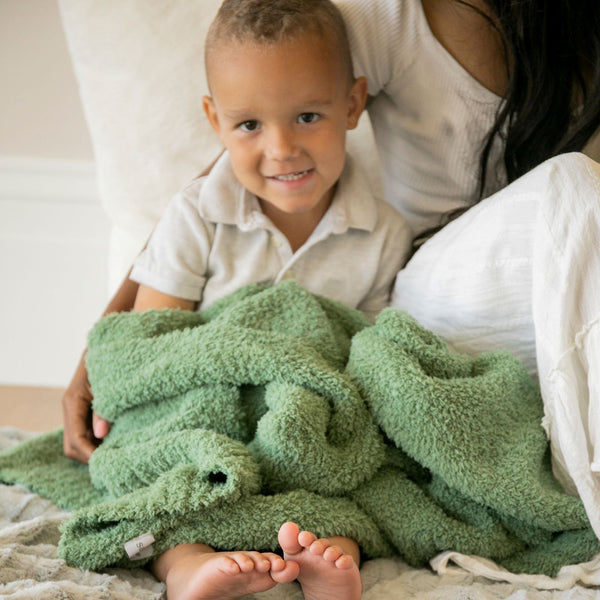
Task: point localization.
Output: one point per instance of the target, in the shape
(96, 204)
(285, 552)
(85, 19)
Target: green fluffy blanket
(275, 405)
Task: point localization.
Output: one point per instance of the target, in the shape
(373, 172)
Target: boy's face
(282, 112)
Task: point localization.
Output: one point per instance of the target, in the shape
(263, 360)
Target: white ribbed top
(430, 117)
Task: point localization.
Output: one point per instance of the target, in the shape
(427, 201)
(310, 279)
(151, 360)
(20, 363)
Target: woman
(469, 98)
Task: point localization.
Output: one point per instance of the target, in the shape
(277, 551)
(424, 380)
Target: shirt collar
(224, 200)
(353, 205)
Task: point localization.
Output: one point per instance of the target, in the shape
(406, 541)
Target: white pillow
(140, 68)
(469, 286)
(141, 76)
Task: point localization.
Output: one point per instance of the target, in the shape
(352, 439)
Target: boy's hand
(79, 439)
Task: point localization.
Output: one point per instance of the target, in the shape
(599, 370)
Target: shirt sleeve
(377, 41)
(395, 253)
(175, 261)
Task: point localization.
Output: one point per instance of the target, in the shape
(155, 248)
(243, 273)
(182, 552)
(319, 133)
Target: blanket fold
(276, 404)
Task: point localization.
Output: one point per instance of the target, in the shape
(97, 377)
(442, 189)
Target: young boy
(283, 201)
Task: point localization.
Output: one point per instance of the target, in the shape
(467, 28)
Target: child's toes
(276, 563)
(345, 561)
(306, 539)
(261, 563)
(332, 553)
(245, 561)
(289, 572)
(288, 538)
(318, 547)
(230, 565)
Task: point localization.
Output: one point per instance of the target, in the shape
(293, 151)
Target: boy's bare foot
(200, 575)
(328, 568)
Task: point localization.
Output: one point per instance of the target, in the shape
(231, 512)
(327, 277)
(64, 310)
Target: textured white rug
(30, 567)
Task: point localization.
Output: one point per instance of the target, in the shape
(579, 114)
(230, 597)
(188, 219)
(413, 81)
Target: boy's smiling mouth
(291, 176)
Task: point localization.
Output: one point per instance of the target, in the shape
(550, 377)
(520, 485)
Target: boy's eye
(307, 118)
(249, 126)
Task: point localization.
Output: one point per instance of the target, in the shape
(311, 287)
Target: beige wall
(53, 231)
(40, 110)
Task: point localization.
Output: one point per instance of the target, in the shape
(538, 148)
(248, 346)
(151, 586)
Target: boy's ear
(356, 101)
(211, 113)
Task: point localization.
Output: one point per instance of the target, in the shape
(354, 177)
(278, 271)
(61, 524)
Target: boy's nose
(280, 144)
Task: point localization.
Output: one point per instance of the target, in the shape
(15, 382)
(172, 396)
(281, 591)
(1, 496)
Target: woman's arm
(82, 431)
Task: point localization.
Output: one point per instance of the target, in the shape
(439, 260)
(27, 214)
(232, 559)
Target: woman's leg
(566, 314)
(521, 271)
(471, 282)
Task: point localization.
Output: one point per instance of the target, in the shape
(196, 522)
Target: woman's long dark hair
(552, 102)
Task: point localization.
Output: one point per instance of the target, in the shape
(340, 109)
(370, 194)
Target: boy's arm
(148, 297)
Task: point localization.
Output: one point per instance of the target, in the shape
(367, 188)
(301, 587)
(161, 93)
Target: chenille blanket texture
(275, 404)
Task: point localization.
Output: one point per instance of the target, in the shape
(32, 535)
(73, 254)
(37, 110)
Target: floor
(31, 408)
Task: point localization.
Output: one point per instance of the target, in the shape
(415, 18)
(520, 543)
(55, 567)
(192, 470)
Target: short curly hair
(274, 21)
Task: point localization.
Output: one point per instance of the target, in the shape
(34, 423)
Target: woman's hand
(82, 431)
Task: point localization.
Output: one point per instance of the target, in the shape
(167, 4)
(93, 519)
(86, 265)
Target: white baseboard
(53, 267)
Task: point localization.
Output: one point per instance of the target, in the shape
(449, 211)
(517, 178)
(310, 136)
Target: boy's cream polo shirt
(214, 239)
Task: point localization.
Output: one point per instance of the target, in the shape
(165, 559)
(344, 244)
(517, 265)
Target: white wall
(53, 232)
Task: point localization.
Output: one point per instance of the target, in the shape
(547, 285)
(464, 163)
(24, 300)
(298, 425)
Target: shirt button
(276, 241)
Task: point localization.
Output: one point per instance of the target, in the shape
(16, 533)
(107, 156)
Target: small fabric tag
(140, 547)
